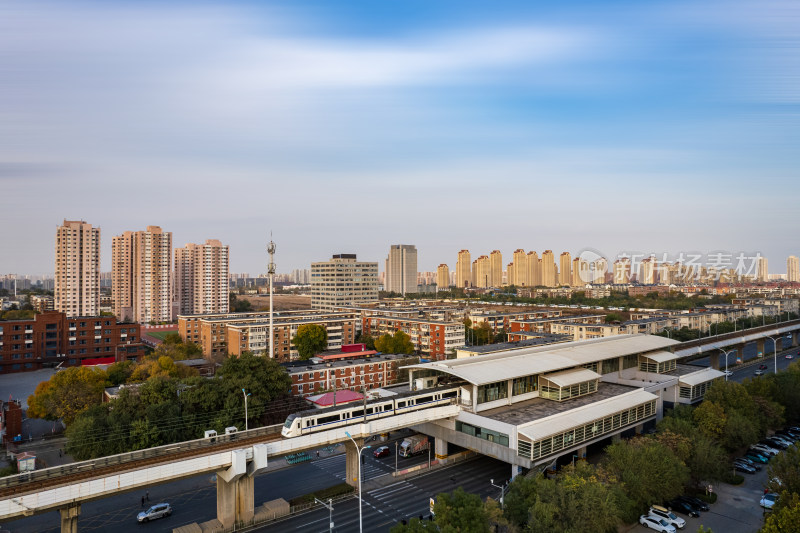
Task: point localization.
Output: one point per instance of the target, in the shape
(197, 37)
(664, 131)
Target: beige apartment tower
(401, 269)
(201, 278)
(763, 269)
(343, 281)
(442, 277)
(463, 269)
(580, 272)
(565, 269)
(793, 268)
(548, 269)
(534, 266)
(520, 260)
(647, 271)
(77, 283)
(141, 275)
(496, 269)
(622, 271)
(481, 272)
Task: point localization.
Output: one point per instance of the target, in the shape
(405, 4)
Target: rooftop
(537, 339)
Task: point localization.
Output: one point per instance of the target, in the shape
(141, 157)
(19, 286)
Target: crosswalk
(335, 466)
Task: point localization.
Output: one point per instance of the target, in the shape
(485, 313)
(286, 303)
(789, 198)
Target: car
(748, 462)
(666, 514)
(656, 523)
(777, 442)
(159, 510)
(382, 451)
(743, 467)
(697, 503)
(789, 356)
(758, 372)
(756, 457)
(766, 449)
(682, 507)
(768, 500)
(762, 367)
(727, 373)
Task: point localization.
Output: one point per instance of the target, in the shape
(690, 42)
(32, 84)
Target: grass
(160, 334)
(324, 494)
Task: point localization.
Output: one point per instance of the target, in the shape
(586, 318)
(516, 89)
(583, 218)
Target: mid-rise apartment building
(401, 269)
(343, 281)
(141, 275)
(77, 279)
(51, 338)
(201, 278)
(352, 374)
(433, 339)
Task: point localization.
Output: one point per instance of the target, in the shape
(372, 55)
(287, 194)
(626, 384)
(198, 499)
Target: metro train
(314, 420)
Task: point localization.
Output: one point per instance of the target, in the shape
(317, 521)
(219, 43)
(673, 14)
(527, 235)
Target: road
(384, 507)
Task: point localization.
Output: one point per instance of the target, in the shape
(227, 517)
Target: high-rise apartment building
(763, 269)
(622, 271)
(534, 267)
(141, 275)
(647, 271)
(600, 270)
(548, 269)
(793, 268)
(580, 272)
(77, 283)
(463, 269)
(496, 268)
(510, 274)
(481, 272)
(520, 260)
(442, 277)
(201, 278)
(401, 269)
(565, 269)
(343, 281)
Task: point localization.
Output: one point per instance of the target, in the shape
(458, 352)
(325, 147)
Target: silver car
(159, 510)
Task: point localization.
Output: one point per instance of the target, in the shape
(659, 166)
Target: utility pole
(271, 272)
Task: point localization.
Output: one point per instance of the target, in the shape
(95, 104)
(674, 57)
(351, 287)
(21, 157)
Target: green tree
(367, 340)
(460, 512)
(710, 419)
(399, 343)
(649, 470)
(785, 517)
(67, 394)
(785, 467)
(310, 340)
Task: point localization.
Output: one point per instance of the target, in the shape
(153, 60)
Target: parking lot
(736, 509)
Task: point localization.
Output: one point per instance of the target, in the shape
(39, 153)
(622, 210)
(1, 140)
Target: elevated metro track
(699, 347)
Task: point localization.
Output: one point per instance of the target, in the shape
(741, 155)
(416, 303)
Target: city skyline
(664, 126)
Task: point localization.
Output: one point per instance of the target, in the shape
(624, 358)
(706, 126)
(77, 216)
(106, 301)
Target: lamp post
(359, 450)
(726, 360)
(774, 351)
(246, 394)
(328, 506)
(395, 456)
(502, 491)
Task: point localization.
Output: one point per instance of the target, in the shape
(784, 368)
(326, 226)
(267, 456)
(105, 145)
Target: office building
(463, 269)
(442, 277)
(496, 268)
(793, 268)
(401, 269)
(141, 275)
(77, 283)
(343, 281)
(201, 278)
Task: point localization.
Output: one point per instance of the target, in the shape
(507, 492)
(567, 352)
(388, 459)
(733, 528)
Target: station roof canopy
(571, 377)
(701, 376)
(660, 357)
(561, 422)
(500, 366)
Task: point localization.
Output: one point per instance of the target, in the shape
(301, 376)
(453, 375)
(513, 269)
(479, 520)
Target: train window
(450, 394)
(424, 399)
(400, 405)
(328, 419)
(370, 410)
(360, 412)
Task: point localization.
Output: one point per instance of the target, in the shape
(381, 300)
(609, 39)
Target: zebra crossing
(335, 466)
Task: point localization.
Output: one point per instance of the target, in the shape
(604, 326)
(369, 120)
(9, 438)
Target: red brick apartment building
(433, 339)
(347, 373)
(51, 338)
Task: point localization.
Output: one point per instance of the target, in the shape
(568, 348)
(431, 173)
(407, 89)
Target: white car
(768, 500)
(669, 516)
(727, 373)
(159, 510)
(655, 523)
(766, 449)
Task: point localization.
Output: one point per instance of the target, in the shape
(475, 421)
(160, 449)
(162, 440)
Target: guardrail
(92, 465)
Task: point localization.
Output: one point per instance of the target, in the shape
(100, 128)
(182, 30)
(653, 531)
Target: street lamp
(726, 360)
(246, 394)
(359, 450)
(774, 351)
(502, 491)
(328, 506)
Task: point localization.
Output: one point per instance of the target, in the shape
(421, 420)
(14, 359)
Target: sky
(348, 126)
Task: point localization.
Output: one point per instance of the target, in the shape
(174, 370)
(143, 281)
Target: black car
(682, 507)
(791, 435)
(748, 462)
(744, 467)
(762, 367)
(775, 443)
(696, 503)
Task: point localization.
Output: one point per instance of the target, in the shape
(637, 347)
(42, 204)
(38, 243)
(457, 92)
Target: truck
(413, 445)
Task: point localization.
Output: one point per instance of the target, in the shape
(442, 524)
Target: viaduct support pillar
(69, 518)
(759, 347)
(441, 450)
(795, 338)
(351, 464)
(234, 492)
(713, 360)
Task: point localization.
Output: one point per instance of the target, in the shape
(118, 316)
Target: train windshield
(289, 421)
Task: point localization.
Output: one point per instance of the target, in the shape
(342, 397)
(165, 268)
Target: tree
(367, 340)
(786, 467)
(400, 342)
(649, 470)
(710, 419)
(238, 306)
(785, 516)
(460, 512)
(67, 394)
(310, 340)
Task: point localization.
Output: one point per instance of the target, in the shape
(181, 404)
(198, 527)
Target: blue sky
(350, 126)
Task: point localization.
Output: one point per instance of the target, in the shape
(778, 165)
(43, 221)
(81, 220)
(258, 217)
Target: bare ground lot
(280, 302)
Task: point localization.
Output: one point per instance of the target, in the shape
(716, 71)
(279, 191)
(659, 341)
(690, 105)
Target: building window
(492, 392)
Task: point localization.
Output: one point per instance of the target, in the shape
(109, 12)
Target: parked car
(697, 503)
(748, 462)
(756, 457)
(777, 442)
(743, 467)
(789, 434)
(768, 500)
(772, 452)
(669, 516)
(682, 507)
(655, 523)
(159, 510)
(382, 451)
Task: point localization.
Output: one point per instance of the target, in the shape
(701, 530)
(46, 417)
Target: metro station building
(528, 407)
